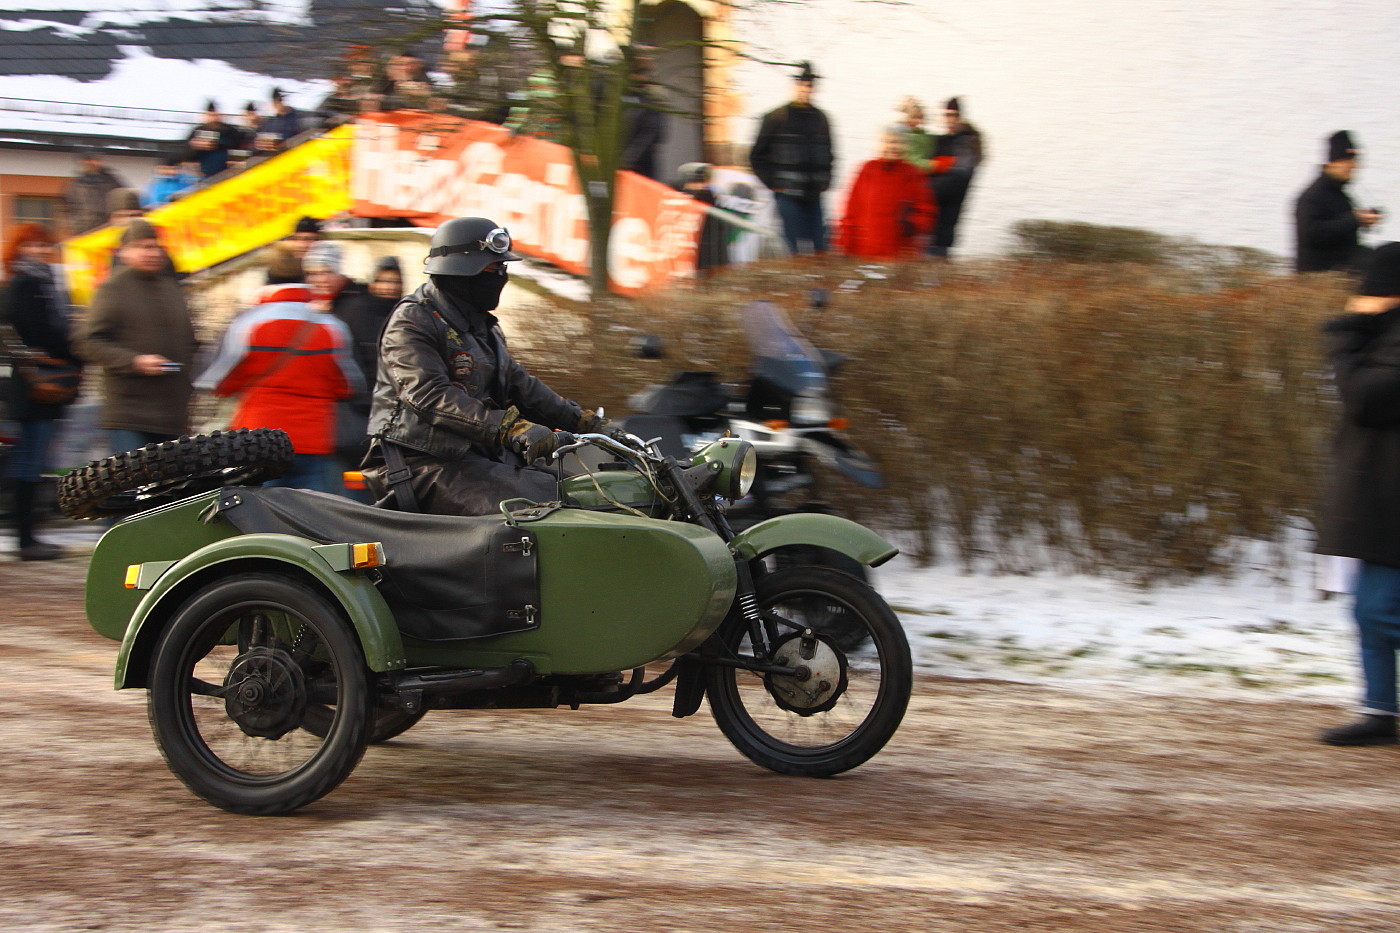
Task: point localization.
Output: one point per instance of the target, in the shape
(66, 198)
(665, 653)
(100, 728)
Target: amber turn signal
(365, 555)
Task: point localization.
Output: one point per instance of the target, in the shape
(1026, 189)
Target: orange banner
(431, 168)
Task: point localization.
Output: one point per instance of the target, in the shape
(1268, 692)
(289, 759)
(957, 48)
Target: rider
(456, 421)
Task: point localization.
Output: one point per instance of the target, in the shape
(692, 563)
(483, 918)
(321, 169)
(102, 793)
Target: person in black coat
(35, 306)
(1325, 220)
(1360, 516)
(793, 156)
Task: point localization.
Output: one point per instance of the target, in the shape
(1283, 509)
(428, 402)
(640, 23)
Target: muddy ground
(997, 807)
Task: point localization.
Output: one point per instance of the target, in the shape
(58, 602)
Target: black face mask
(481, 292)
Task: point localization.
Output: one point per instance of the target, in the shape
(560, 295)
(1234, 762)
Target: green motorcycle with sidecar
(279, 631)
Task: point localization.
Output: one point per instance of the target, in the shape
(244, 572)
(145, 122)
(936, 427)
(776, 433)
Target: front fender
(814, 528)
(366, 609)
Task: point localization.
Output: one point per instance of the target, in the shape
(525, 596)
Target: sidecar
(278, 631)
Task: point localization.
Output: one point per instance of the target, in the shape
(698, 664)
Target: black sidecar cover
(446, 577)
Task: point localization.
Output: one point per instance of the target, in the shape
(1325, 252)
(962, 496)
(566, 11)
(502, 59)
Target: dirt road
(997, 807)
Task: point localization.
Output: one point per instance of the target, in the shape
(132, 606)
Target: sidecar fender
(814, 528)
(363, 606)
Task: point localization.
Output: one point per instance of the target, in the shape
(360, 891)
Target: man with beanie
(956, 155)
(138, 330)
(457, 422)
(331, 290)
(210, 143)
(1325, 220)
(1360, 516)
(793, 156)
(286, 121)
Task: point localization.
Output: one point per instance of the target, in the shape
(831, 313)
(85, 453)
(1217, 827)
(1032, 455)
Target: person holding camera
(138, 331)
(1326, 223)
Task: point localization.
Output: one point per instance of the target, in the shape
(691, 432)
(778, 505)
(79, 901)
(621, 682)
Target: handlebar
(634, 447)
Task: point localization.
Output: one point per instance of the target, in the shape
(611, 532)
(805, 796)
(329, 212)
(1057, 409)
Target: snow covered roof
(137, 74)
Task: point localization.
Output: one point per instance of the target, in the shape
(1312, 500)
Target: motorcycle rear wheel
(872, 682)
(234, 675)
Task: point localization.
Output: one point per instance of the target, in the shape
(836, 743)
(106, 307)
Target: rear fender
(356, 595)
(814, 528)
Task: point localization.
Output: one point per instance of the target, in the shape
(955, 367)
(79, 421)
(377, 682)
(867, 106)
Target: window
(33, 209)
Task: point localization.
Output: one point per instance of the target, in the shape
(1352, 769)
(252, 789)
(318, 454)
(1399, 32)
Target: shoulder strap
(399, 476)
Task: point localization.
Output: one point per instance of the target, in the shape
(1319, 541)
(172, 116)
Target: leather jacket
(447, 385)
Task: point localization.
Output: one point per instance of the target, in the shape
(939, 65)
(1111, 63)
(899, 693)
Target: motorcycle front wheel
(845, 705)
(237, 672)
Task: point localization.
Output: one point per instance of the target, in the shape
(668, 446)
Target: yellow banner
(239, 214)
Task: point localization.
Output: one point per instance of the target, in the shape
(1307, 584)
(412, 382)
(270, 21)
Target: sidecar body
(570, 590)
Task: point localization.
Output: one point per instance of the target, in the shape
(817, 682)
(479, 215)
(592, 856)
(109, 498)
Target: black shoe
(1368, 730)
(40, 551)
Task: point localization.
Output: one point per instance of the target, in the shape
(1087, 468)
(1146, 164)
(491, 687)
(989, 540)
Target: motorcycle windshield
(781, 355)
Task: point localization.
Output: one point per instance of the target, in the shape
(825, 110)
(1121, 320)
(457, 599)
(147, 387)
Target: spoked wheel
(235, 674)
(156, 474)
(847, 630)
(841, 707)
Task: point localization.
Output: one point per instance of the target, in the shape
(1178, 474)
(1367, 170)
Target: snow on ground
(1250, 635)
(1247, 636)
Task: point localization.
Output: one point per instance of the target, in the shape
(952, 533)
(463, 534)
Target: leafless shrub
(1100, 418)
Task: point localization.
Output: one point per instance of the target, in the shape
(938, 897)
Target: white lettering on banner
(532, 191)
(629, 252)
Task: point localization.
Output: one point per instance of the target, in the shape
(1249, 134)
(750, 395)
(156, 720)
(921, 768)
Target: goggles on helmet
(497, 241)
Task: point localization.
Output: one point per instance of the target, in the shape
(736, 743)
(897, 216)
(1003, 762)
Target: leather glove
(590, 422)
(532, 441)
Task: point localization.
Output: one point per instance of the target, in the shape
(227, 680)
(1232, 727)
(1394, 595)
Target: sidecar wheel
(135, 480)
(235, 673)
(773, 720)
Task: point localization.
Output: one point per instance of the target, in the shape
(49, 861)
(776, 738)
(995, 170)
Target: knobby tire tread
(253, 454)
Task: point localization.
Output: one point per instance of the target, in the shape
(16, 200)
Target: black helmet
(466, 245)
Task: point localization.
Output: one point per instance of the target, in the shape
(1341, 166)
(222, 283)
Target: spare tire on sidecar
(135, 480)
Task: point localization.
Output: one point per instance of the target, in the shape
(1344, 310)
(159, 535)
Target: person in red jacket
(289, 364)
(888, 208)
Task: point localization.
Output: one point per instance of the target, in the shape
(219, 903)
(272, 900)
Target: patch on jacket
(463, 365)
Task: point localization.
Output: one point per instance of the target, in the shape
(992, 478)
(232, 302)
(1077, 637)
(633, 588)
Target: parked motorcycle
(785, 411)
(278, 631)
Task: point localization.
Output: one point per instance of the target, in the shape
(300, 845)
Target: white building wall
(1199, 119)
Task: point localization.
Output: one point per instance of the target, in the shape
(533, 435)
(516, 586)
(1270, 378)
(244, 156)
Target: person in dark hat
(1360, 515)
(210, 142)
(285, 123)
(793, 155)
(1325, 220)
(458, 423)
(957, 153)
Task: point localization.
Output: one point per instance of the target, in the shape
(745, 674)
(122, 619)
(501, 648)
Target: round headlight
(743, 471)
